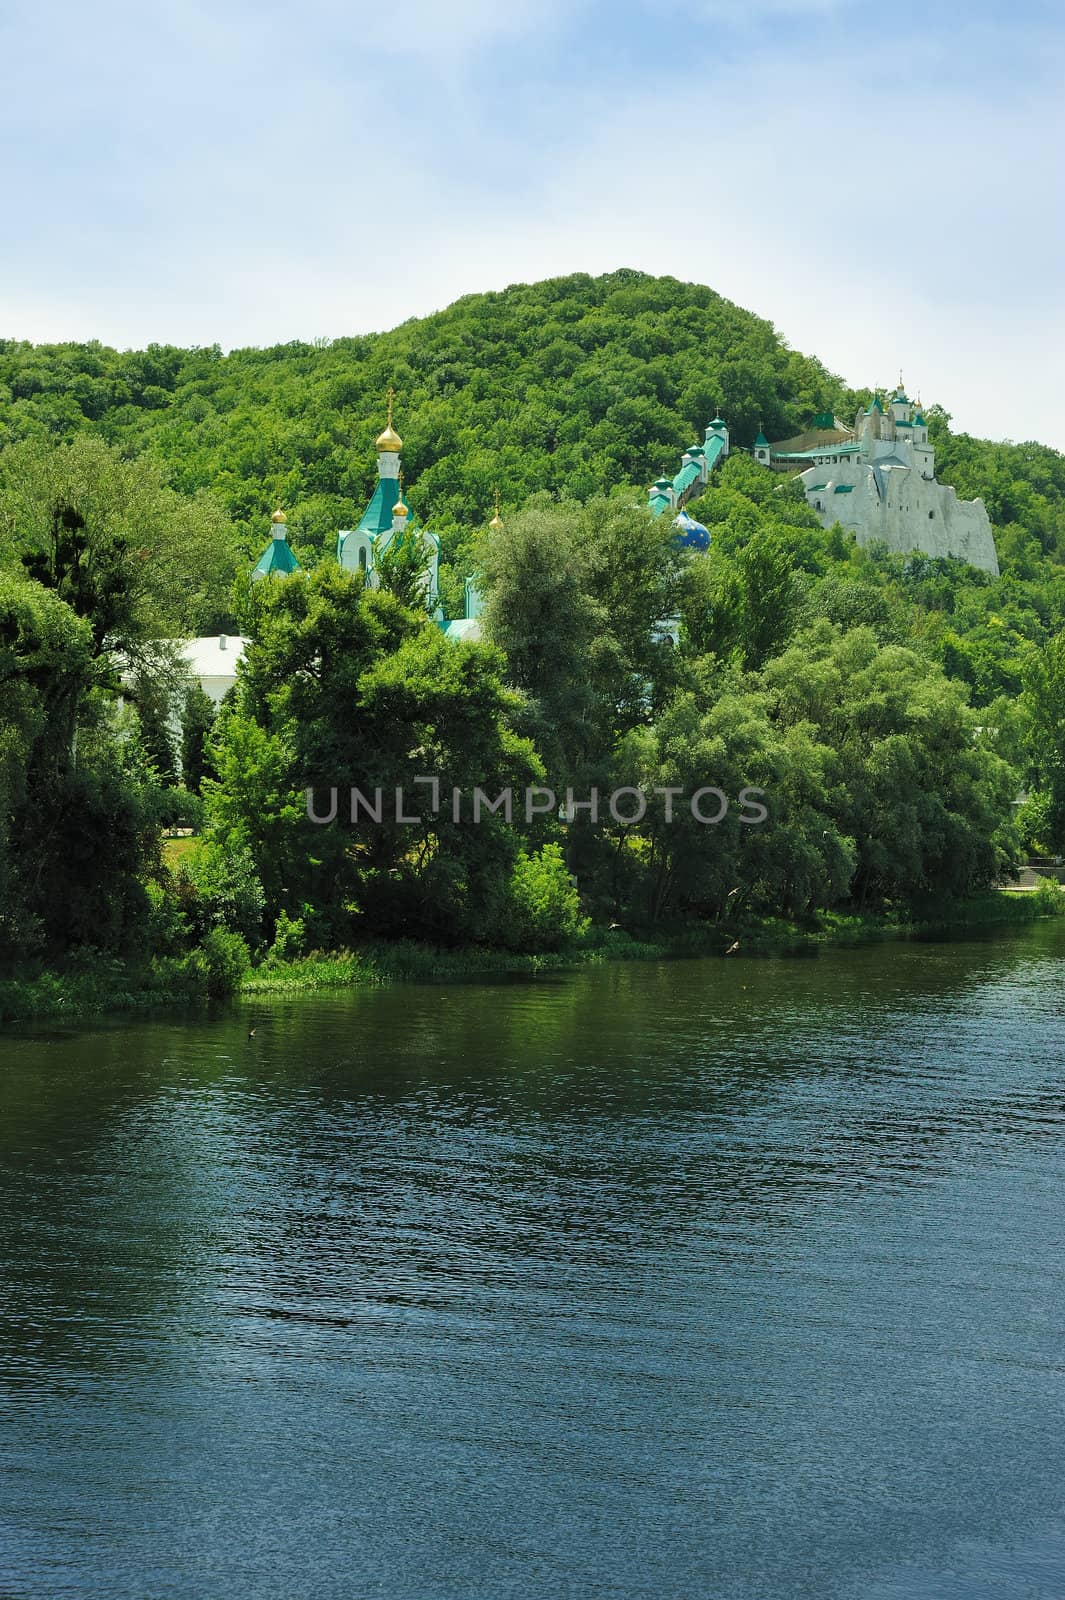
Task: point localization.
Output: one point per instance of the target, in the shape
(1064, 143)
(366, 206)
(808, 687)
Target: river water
(702, 1279)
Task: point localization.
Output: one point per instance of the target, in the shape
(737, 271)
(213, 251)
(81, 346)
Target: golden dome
(279, 516)
(497, 521)
(399, 509)
(390, 439)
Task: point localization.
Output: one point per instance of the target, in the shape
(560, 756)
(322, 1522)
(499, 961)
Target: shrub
(290, 939)
(543, 907)
(1035, 821)
(224, 959)
(221, 889)
(166, 929)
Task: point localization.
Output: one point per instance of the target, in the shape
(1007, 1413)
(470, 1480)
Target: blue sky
(883, 183)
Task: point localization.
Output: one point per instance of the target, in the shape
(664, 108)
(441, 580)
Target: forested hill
(572, 385)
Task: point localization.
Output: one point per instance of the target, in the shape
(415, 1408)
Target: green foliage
(224, 960)
(839, 680)
(218, 887)
(290, 939)
(574, 386)
(109, 536)
(178, 808)
(403, 568)
(572, 596)
(1035, 823)
(543, 909)
(77, 803)
(1044, 700)
(343, 688)
(197, 721)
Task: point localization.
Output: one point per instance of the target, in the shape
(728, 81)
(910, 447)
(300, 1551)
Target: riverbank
(91, 985)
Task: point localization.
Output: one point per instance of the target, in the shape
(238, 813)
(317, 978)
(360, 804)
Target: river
(700, 1279)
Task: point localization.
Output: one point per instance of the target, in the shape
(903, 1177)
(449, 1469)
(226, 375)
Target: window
(931, 514)
(362, 559)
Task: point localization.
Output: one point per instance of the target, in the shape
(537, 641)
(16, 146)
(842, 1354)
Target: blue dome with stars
(691, 535)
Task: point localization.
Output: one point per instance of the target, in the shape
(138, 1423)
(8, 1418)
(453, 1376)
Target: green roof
(276, 560)
(901, 424)
(658, 503)
(378, 514)
(815, 488)
(686, 477)
(919, 421)
(761, 440)
(844, 488)
(714, 451)
(816, 450)
(719, 422)
(876, 406)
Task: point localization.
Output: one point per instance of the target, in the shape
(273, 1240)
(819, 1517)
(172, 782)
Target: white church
(878, 480)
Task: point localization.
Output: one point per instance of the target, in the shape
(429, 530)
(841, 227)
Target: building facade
(878, 480)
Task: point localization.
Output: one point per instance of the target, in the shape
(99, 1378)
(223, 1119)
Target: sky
(881, 181)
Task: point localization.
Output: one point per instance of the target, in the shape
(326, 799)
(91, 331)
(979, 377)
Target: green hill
(574, 385)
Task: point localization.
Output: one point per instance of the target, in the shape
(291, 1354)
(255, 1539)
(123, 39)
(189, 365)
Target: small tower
(355, 546)
(660, 496)
(277, 559)
(923, 448)
(872, 426)
(388, 445)
(761, 447)
(400, 512)
(900, 405)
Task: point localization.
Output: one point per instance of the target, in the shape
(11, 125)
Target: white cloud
(880, 208)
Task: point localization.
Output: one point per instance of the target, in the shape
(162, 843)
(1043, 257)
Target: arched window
(362, 558)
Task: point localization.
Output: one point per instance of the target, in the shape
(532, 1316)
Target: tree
(78, 800)
(197, 721)
(403, 568)
(925, 800)
(572, 597)
(138, 561)
(1044, 701)
(343, 688)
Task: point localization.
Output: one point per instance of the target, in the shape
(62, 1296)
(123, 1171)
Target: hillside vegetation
(573, 385)
(889, 709)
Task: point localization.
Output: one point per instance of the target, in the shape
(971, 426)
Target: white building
(878, 481)
(212, 663)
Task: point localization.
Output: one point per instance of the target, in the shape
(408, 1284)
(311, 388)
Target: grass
(175, 850)
(408, 962)
(89, 984)
(93, 985)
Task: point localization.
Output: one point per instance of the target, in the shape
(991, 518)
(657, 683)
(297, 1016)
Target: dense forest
(893, 710)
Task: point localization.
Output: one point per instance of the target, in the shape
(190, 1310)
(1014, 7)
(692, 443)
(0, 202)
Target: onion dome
(389, 439)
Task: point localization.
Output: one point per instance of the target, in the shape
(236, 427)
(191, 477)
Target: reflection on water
(694, 1279)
